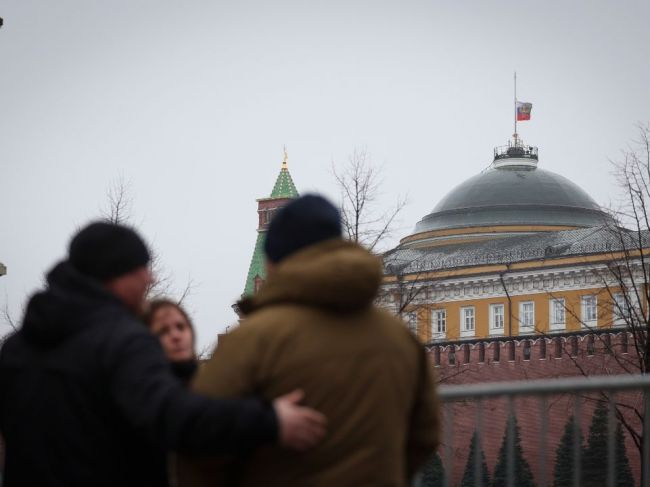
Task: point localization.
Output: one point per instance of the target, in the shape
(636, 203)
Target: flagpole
(515, 107)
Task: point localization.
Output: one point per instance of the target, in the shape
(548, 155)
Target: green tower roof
(257, 267)
(283, 188)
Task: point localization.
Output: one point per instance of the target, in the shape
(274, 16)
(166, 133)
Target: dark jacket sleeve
(154, 401)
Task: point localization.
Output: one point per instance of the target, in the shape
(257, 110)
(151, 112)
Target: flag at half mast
(523, 110)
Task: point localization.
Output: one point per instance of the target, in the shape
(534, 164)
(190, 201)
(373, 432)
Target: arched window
(511, 351)
(526, 349)
(436, 356)
(607, 343)
(466, 353)
(451, 356)
(496, 352)
(481, 352)
(542, 349)
(557, 342)
(591, 348)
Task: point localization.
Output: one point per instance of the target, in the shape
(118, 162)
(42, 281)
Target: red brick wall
(267, 207)
(575, 359)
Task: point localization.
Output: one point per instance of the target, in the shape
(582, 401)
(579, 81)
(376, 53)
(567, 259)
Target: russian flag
(523, 110)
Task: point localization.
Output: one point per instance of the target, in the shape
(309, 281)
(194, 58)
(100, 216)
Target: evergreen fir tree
(522, 472)
(594, 463)
(624, 476)
(564, 468)
(595, 458)
(470, 468)
(433, 472)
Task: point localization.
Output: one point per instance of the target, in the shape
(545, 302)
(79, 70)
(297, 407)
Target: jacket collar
(336, 274)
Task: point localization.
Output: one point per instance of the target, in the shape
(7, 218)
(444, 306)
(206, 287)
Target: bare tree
(7, 319)
(119, 210)
(406, 284)
(119, 202)
(359, 183)
(364, 222)
(630, 270)
(624, 281)
(627, 279)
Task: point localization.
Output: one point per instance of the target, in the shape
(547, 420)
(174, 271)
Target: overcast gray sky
(191, 103)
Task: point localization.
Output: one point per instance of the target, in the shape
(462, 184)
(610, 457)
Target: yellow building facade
(514, 251)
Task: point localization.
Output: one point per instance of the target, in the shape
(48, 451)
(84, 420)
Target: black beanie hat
(105, 250)
(305, 221)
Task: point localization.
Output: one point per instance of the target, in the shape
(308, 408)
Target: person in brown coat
(313, 326)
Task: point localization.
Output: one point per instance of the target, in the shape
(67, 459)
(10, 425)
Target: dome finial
(516, 153)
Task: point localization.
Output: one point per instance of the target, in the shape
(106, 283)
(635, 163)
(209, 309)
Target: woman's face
(174, 332)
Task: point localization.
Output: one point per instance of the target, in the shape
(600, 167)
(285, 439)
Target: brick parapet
(566, 355)
(532, 349)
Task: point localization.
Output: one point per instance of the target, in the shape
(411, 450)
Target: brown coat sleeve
(230, 372)
(424, 431)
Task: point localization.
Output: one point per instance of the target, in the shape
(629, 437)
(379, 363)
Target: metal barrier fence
(623, 395)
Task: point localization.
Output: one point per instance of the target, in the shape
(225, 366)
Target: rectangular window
(589, 311)
(412, 322)
(496, 319)
(438, 324)
(467, 321)
(620, 310)
(557, 314)
(526, 317)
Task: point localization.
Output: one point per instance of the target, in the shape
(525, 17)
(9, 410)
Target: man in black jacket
(87, 396)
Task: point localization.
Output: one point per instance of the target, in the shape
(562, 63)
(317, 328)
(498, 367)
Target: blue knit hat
(305, 221)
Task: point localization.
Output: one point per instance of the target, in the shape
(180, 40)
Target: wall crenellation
(531, 348)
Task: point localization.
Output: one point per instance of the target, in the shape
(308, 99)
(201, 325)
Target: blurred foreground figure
(313, 326)
(86, 391)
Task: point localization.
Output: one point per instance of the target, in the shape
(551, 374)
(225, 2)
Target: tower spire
(283, 192)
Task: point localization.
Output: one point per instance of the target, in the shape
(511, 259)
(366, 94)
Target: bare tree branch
(187, 291)
(359, 184)
(626, 278)
(119, 210)
(119, 201)
(8, 319)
